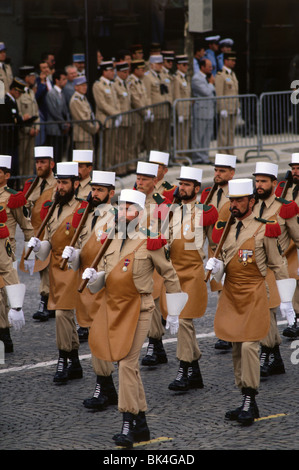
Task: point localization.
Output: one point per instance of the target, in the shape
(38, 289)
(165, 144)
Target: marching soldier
(84, 158)
(101, 217)
(182, 90)
(157, 93)
(63, 293)
(188, 230)
(243, 316)
(107, 105)
(224, 171)
(128, 263)
(226, 84)
(27, 104)
(272, 208)
(84, 131)
(162, 186)
(39, 190)
(292, 194)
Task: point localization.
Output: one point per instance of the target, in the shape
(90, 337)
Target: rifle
(288, 183)
(96, 261)
(173, 204)
(77, 232)
(211, 193)
(221, 242)
(32, 187)
(42, 227)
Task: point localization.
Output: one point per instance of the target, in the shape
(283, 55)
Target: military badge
(8, 248)
(245, 256)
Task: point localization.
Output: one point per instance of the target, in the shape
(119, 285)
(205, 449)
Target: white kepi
(83, 156)
(295, 159)
(222, 159)
(190, 173)
(265, 168)
(240, 187)
(67, 169)
(103, 178)
(43, 151)
(147, 169)
(133, 197)
(161, 158)
(5, 161)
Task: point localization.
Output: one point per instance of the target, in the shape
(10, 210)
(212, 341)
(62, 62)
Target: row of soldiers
(129, 270)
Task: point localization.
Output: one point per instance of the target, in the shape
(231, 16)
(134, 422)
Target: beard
(64, 199)
(44, 173)
(295, 179)
(186, 197)
(238, 214)
(264, 195)
(95, 202)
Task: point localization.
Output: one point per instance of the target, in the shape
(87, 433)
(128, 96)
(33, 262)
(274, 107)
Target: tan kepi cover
(63, 282)
(189, 267)
(36, 222)
(112, 332)
(242, 312)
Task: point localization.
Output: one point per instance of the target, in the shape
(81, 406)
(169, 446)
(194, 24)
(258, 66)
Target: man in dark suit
(58, 115)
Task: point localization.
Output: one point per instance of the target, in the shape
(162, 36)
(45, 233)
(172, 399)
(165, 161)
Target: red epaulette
(218, 230)
(162, 207)
(16, 199)
(154, 240)
(45, 207)
(205, 194)
(279, 188)
(27, 185)
(4, 232)
(288, 209)
(3, 215)
(209, 215)
(78, 214)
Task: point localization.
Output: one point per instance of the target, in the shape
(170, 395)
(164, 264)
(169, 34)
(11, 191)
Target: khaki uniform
(8, 276)
(182, 90)
(124, 144)
(63, 283)
(139, 100)
(243, 316)
(6, 75)
(27, 104)
(168, 79)
(289, 232)
(34, 205)
(134, 286)
(226, 84)
(159, 128)
(83, 132)
(84, 188)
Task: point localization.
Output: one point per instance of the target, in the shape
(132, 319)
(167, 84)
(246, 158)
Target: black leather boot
(249, 411)
(74, 368)
(276, 365)
(83, 334)
(291, 331)
(61, 375)
(155, 353)
(223, 345)
(264, 361)
(42, 313)
(6, 339)
(126, 438)
(141, 431)
(194, 376)
(104, 394)
(181, 382)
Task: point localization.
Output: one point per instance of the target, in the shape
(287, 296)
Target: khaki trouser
(4, 323)
(66, 331)
(44, 282)
(273, 337)
(131, 396)
(296, 299)
(100, 367)
(156, 330)
(187, 346)
(226, 133)
(246, 364)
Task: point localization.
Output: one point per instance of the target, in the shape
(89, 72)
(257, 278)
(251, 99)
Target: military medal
(186, 228)
(67, 232)
(127, 261)
(245, 256)
(99, 235)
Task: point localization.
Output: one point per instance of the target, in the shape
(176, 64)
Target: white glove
(172, 323)
(35, 243)
(29, 265)
(287, 311)
(224, 113)
(238, 112)
(117, 121)
(213, 265)
(152, 118)
(147, 115)
(91, 274)
(181, 119)
(69, 253)
(16, 318)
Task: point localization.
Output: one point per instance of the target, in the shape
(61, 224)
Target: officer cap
(78, 57)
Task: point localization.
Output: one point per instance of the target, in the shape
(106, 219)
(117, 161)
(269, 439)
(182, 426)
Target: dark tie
(59, 211)
(263, 205)
(238, 228)
(295, 191)
(42, 186)
(219, 194)
(94, 220)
